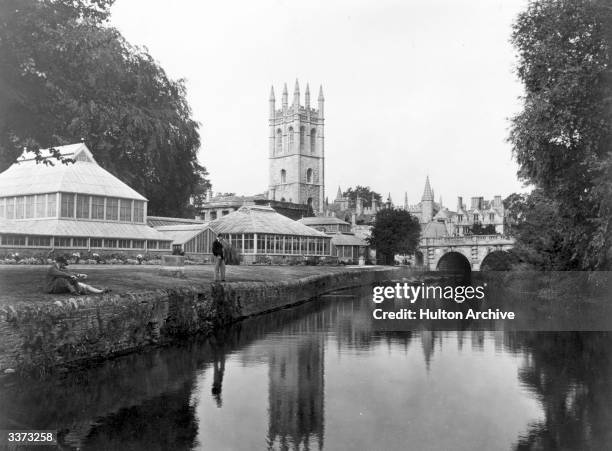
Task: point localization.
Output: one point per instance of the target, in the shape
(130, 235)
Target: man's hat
(61, 259)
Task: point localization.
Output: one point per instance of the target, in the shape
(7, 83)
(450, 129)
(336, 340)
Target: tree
(364, 192)
(395, 232)
(66, 76)
(479, 229)
(562, 139)
(543, 238)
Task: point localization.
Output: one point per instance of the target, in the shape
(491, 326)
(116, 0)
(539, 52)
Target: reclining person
(61, 281)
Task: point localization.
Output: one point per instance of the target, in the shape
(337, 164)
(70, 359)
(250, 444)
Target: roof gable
(84, 175)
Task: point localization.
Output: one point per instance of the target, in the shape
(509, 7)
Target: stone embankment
(74, 331)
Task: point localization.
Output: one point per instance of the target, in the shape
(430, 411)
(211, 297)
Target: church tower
(296, 150)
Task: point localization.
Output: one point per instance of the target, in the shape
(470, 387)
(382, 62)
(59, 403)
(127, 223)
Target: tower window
(283, 176)
(302, 138)
(309, 176)
(279, 141)
(290, 139)
(313, 140)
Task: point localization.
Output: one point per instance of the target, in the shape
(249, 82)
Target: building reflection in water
(296, 394)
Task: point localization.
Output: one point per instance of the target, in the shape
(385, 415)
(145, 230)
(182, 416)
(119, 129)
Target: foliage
(66, 76)
(562, 138)
(364, 192)
(395, 232)
(479, 229)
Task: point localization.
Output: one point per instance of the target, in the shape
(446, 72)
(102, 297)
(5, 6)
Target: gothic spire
(296, 93)
(307, 96)
(427, 193)
(285, 95)
(339, 194)
(272, 98)
(321, 98)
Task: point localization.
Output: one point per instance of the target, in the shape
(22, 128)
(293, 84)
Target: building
(297, 150)
(262, 235)
(348, 247)
(217, 206)
(437, 220)
(75, 207)
(223, 204)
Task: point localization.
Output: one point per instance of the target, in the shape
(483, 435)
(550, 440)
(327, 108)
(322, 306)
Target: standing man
(218, 254)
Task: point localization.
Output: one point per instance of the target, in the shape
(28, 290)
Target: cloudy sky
(412, 87)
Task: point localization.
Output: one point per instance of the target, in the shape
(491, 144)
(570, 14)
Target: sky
(412, 87)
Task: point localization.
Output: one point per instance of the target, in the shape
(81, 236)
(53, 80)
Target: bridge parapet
(474, 248)
(472, 240)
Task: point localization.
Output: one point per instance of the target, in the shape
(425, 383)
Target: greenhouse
(192, 239)
(74, 207)
(259, 231)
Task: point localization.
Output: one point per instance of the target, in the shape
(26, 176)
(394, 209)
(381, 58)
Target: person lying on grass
(61, 281)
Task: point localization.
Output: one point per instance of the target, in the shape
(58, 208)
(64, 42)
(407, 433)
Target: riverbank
(41, 332)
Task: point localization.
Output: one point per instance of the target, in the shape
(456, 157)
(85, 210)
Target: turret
(359, 205)
(427, 202)
(285, 97)
(459, 204)
(427, 192)
(272, 102)
(321, 101)
(296, 95)
(339, 194)
(307, 97)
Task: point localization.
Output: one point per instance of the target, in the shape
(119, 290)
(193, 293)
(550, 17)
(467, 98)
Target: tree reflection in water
(570, 373)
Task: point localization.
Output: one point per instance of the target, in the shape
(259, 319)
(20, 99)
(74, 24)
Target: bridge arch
(497, 260)
(454, 262)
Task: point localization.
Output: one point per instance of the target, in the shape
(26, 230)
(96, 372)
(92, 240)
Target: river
(321, 376)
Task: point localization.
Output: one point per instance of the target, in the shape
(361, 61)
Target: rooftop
(67, 227)
(322, 220)
(341, 239)
(261, 219)
(157, 221)
(181, 233)
(29, 176)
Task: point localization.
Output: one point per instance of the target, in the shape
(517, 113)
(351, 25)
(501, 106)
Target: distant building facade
(438, 221)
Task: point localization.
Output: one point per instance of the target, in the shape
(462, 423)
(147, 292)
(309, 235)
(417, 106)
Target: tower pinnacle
(427, 192)
(296, 94)
(307, 96)
(285, 96)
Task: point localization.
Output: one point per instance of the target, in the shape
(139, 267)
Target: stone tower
(296, 153)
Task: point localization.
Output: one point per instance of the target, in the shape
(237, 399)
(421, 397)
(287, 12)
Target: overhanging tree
(562, 138)
(394, 232)
(66, 76)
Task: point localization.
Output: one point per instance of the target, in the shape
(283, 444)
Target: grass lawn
(24, 283)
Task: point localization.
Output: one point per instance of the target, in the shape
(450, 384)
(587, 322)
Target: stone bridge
(461, 252)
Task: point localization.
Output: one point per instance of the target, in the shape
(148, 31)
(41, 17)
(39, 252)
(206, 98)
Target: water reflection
(321, 376)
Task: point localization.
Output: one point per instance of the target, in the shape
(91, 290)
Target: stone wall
(78, 330)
